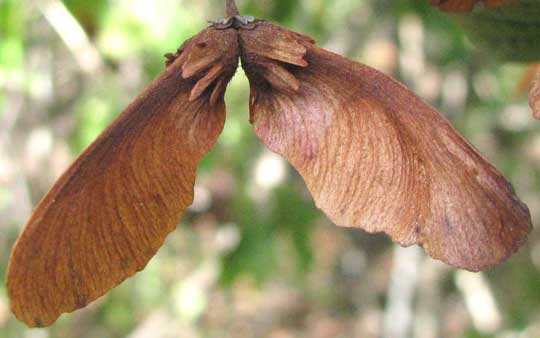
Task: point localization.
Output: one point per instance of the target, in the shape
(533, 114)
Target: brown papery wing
(376, 157)
(534, 95)
(467, 5)
(106, 217)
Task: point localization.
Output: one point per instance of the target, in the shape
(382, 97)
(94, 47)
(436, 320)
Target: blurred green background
(253, 257)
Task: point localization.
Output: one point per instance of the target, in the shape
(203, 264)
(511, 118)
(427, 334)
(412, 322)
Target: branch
(232, 10)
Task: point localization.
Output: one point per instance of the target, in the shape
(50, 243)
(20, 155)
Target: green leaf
(509, 32)
(295, 215)
(255, 254)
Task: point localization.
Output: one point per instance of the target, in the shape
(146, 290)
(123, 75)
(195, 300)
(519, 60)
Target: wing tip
(505, 250)
(34, 314)
(473, 264)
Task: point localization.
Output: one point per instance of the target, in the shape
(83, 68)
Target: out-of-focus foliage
(253, 257)
(510, 33)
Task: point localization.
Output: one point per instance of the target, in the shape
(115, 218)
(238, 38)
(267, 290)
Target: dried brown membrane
(467, 5)
(372, 153)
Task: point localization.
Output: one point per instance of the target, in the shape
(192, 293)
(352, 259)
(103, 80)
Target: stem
(232, 10)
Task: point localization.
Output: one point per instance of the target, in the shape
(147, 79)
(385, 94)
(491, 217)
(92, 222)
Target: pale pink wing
(375, 156)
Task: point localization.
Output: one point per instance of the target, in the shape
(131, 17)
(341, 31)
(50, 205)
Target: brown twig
(232, 10)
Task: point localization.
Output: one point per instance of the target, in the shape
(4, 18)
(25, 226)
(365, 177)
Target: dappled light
(253, 256)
